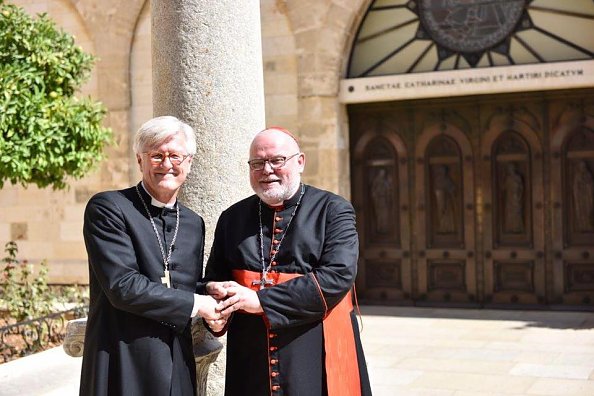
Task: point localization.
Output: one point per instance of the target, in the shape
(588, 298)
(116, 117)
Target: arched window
(412, 36)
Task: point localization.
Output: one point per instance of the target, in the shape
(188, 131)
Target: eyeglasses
(176, 159)
(274, 162)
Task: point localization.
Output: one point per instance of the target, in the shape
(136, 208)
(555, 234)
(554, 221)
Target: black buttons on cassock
(170, 325)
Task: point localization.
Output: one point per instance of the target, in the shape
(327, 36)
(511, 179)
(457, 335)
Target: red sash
(342, 370)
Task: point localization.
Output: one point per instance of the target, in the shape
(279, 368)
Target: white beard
(280, 193)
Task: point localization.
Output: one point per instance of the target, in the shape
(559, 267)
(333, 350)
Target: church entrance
(484, 201)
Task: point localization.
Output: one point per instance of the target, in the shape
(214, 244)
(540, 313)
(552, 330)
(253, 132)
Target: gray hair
(159, 129)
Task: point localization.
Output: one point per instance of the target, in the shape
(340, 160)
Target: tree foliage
(46, 133)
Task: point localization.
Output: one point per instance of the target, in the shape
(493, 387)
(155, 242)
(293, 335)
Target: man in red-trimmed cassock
(284, 261)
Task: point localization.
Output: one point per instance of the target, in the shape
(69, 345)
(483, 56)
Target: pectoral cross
(263, 282)
(166, 280)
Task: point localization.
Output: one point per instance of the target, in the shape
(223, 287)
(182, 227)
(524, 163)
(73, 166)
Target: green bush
(24, 295)
(27, 295)
(37, 313)
(46, 133)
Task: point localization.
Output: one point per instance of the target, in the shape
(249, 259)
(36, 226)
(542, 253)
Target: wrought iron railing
(34, 335)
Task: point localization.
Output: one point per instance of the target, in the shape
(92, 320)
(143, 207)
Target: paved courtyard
(455, 352)
(418, 351)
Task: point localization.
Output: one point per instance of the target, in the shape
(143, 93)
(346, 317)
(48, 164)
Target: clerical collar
(156, 202)
(288, 202)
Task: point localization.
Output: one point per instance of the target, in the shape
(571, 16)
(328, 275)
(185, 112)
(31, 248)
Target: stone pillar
(207, 71)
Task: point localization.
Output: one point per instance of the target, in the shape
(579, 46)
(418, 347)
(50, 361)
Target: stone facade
(305, 43)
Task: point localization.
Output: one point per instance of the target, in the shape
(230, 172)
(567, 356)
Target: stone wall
(323, 31)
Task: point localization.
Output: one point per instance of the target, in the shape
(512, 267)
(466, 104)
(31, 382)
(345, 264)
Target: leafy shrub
(24, 294)
(37, 313)
(27, 295)
(46, 133)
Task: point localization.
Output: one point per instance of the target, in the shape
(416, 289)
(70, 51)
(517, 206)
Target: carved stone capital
(206, 347)
(75, 337)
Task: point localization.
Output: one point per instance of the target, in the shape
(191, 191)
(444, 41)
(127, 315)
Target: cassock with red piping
(307, 341)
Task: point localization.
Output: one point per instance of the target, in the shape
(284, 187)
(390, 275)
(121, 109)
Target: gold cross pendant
(166, 280)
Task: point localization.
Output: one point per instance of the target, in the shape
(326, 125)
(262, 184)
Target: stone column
(207, 71)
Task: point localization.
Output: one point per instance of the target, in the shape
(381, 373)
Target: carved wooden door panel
(445, 223)
(512, 194)
(501, 192)
(380, 197)
(572, 193)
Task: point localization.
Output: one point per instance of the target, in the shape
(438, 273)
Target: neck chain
(265, 269)
(166, 280)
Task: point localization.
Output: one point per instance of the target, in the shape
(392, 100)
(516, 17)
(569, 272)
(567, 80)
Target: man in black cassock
(145, 254)
(284, 261)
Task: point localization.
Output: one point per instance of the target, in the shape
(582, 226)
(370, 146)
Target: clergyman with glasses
(145, 252)
(284, 262)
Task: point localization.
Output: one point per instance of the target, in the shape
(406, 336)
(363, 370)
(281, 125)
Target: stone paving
(418, 351)
(455, 352)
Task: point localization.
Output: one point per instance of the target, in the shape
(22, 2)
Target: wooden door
(380, 197)
(444, 213)
(572, 192)
(476, 201)
(513, 204)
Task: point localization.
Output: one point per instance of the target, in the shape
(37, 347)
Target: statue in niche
(583, 197)
(382, 190)
(513, 200)
(444, 191)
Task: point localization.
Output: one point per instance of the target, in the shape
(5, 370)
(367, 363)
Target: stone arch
(334, 24)
(141, 95)
(67, 17)
(323, 33)
(111, 26)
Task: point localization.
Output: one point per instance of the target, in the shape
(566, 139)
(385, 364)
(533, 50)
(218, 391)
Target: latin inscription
(475, 80)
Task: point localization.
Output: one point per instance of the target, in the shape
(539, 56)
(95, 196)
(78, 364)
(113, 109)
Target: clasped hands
(223, 299)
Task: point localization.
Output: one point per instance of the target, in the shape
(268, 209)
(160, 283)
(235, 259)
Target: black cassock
(283, 351)
(138, 337)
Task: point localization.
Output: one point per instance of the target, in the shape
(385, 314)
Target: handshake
(223, 299)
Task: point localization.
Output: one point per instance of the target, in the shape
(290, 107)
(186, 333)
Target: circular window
(470, 25)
